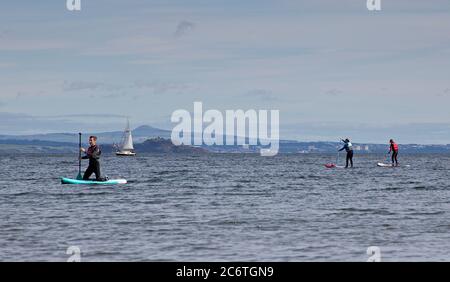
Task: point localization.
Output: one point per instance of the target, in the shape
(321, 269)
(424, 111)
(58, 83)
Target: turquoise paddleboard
(93, 182)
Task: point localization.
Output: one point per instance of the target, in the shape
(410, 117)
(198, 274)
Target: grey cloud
(160, 87)
(21, 94)
(86, 115)
(74, 86)
(183, 27)
(113, 95)
(10, 116)
(262, 94)
(444, 93)
(119, 90)
(421, 133)
(7, 64)
(11, 123)
(17, 123)
(4, 33)
(81, 85)
(25, 94)
(334, 92)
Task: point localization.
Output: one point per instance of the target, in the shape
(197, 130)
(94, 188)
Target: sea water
(226, 207)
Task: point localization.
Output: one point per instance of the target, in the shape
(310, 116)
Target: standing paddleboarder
(93, 154)
(393, 148)
(348, 147)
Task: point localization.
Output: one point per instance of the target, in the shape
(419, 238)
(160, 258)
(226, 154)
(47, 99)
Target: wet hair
(347, 140)
(93, 137)
(391, 141)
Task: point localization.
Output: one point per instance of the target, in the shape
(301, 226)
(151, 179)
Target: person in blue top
(348, 147)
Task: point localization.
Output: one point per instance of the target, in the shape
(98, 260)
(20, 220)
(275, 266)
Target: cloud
(32, 44)
(18, 123)
(27, 94)
(21, 94)
(183, 28)
(86, 116)
(161, 87)
(139, 88)
(81, 85)
(97, 86)
(262, 95)
(334, 92)
(7, 64)
(421, 133)
(130, 45)
(4, 33)
(303, 50)
(153, 86)
(444, 93)
(114, 95)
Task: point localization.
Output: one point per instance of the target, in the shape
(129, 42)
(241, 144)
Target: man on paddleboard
(393, 148)
(348, 147)
(93, 154)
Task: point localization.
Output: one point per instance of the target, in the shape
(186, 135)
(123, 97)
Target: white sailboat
(126, 148)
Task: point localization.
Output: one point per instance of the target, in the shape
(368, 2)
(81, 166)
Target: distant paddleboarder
(93, 154)
(348, 147)
(393, 149)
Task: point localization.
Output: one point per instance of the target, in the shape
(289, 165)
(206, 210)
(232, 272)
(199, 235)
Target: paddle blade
(79, 176)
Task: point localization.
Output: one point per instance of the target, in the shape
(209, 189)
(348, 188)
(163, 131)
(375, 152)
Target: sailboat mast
(127, 129)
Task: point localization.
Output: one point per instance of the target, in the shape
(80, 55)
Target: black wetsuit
(349, 150)
(394, 155)
(93, 154)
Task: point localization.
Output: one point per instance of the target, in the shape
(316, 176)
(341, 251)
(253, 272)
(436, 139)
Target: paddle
(388, 157)
(79, 176)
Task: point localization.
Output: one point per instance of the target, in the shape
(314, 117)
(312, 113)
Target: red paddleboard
(334, 166)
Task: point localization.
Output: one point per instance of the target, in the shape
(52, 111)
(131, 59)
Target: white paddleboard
(390, 165)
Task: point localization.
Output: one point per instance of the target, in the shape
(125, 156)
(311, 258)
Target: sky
(332, 68)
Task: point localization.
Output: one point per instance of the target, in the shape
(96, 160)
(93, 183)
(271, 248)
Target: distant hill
(36, 149)
(161, 145)
(154, 145)
(154, 140)
(140, 134)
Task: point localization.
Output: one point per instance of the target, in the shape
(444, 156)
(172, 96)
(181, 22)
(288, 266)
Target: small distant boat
(126, 147)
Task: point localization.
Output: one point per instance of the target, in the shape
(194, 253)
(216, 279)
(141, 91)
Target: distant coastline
(159, 145)
(154, 140)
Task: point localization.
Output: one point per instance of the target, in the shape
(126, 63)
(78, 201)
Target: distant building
(311, 148)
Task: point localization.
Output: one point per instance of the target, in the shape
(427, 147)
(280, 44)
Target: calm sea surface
(225, 207)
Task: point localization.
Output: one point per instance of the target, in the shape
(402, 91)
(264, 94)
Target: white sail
(127, 143)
